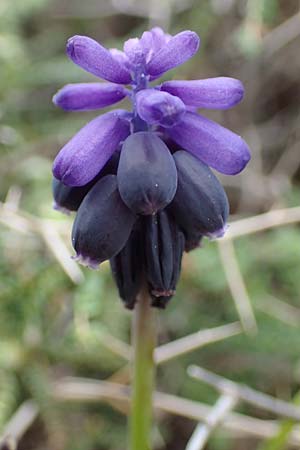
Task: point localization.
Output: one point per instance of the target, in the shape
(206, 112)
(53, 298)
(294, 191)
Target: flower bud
(164, 245)
(103, 224)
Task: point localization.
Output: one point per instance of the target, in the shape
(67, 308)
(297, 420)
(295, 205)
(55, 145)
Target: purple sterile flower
(175, 51)
(210, 93)
(160, 108)
(91, 56)
(211, 143)
(140, 180)
(86, 153)
(88, 96)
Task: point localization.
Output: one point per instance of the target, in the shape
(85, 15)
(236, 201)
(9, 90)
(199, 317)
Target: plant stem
(144, 340)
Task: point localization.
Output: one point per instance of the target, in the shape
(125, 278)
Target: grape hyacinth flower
(140, 180)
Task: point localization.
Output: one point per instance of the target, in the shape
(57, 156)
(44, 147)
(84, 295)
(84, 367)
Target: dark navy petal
(82, 158)
(160, 108)
(213, 144)
(147, 176)
(103, 224)
(164, 245)
(200, 206)
(128, 267)
(92, 57)
(69, 198)
(211, 93)
(193, 240)
(177, 50)
(88, 96)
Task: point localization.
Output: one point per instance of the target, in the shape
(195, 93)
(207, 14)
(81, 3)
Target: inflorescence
(140, 180)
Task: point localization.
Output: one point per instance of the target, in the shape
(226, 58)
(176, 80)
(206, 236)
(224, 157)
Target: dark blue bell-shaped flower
(147, 175)
(200, 206)
(103, 223)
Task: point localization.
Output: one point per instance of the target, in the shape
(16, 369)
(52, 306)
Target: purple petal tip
(70, 48)
(86, 261)
(61, 209)
(218, 233)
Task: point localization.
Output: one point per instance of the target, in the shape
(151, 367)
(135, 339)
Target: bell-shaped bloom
(213, 144)
(200, 206)
(88, 96)
(177, 50)
(147, 176)
(92, 57)
(164, 245)
(128, 267)
(159, 108)
(103, 224)
(210, 93)
(82, 158)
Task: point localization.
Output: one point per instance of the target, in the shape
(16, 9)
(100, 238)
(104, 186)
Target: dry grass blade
(61, 253)
(218, 413)
(237, 286)
(194, 341)
(167, 352)
(28, 224)
(116, 346)
(281, 36)
(14, 221)
(271, 219)
(245, 393)
(86, 390)
(18, 425)
(280, 310)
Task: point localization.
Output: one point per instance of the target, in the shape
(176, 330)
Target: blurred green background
(51, 326)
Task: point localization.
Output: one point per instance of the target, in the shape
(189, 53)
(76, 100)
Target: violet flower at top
(163, 109)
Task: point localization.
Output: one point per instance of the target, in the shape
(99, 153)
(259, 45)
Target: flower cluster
(140, 180)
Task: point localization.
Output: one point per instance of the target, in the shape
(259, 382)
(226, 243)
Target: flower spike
(140, 180)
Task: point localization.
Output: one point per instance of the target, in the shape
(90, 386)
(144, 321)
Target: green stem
(144, 340)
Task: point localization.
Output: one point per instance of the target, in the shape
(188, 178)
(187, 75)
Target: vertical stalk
(144, 341)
